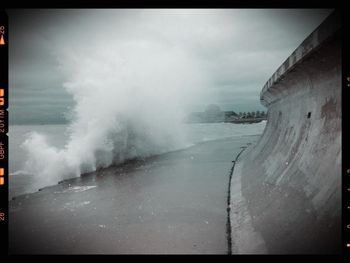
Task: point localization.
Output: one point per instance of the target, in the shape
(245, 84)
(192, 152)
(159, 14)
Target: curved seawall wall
(286, 189)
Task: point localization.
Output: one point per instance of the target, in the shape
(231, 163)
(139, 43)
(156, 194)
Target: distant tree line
(252, 114)
(213, 114)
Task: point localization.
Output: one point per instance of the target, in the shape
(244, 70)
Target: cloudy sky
(237, 50)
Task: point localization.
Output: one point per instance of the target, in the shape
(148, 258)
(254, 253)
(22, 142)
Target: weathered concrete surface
(287, 188)
(172, 203)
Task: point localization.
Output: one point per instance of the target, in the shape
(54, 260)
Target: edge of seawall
(290, 181)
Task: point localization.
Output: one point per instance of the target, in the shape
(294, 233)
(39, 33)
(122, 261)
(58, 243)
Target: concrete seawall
(286, 189)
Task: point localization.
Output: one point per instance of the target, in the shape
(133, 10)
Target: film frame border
(345, 138)
(4, 99)
(4, 183)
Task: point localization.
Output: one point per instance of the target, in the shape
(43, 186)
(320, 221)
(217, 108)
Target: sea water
(23, 181)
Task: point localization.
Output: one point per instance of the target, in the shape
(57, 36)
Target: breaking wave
(130, 95)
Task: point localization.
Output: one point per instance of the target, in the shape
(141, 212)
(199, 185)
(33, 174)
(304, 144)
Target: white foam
(76, 189)
(131, 93)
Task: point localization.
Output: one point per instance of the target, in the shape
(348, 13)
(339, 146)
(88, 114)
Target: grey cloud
(238, 50)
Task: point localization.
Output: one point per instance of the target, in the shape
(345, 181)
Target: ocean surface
(22, 182)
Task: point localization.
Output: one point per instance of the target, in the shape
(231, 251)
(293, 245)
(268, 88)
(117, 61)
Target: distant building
(230, 116)
(213, 113)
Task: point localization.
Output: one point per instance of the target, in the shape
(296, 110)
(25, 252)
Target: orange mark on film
(2, 173)
(2, 32)
(348, 245)
(2, 94)
(2, 40)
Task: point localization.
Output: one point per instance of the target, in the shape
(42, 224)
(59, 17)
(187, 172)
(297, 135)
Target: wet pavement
(171, 203)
